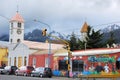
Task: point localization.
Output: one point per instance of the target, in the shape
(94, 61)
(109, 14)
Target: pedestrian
(99, 68)
(91, 68)
(106, 68)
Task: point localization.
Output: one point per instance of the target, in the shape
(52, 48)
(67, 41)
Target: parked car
(1, 70)
(9, 70)
(24, 70)
(42, 72)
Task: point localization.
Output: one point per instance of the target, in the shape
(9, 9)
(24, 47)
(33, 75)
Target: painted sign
(101, 59)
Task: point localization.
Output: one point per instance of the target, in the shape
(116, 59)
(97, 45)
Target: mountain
(116, 34)
(4, 37)
(35, 35)
(109, 28)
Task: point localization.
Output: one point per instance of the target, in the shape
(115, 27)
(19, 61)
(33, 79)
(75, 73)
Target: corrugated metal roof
(55, 51)
(42, 45)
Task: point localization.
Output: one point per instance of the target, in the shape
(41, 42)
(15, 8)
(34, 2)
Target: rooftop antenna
(85, 19)
(17, 7)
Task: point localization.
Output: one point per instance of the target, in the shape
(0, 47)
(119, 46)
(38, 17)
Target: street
(13, 77)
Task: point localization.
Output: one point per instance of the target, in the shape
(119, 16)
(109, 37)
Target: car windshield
(36, 69)
(13, 67)
(30, 68)
(47, 69)
(7, 67)
(39, 69)
(1, 67)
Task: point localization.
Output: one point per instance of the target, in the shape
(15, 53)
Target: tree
(111, 40)
(94, 38)
(73, 42)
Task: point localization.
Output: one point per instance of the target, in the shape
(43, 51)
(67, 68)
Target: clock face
(19, 31)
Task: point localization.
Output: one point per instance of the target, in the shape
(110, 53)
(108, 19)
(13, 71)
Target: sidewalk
(65, 78)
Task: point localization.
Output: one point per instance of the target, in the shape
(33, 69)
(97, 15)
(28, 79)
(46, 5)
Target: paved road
(13, 77)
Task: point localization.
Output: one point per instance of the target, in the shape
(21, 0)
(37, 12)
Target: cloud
(62, 14)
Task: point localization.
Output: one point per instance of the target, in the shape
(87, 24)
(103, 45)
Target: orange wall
(40, 60)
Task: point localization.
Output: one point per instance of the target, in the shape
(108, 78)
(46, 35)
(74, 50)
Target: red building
(83, 59)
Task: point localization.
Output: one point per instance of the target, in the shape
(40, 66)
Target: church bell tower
(16, 30)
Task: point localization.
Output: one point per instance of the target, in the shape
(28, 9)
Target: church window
(11, 25)
(14, 61)
(11, 40)
(18, 40)
(25, 61)
(19, 25)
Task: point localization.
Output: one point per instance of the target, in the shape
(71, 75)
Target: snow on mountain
(110, 28)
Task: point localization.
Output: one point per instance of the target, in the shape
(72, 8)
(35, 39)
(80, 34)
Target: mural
(101, 58)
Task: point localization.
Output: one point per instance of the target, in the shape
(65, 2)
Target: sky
(64, 16)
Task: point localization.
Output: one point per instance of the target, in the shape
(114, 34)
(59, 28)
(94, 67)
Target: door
(19, 61)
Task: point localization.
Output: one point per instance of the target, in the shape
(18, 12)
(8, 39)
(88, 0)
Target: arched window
(14, 61)
(25, 61)
(19, 25)
(11, 40)
(11, 25)
(18, 40)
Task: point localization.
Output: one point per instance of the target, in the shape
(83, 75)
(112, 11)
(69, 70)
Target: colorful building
(3, 56)
(81, 60)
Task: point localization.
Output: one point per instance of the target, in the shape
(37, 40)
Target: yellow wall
(3, 56)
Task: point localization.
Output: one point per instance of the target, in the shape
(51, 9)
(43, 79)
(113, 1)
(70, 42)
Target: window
(77, 65)
(19, 25)
(118, 65)
(11, 40)
(25, 61)
(11, 25)
(34, 61)
(46, 62)
(18, 40)
(14, 61)
(62, 65)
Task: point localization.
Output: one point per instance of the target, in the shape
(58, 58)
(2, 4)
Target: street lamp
(49, 52)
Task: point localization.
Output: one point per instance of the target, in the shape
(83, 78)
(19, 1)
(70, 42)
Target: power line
(107, 23)
(5, 17)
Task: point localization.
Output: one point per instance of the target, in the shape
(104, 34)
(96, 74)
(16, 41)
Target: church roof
(84, 28)
(55, 51)
(17, 17)
(4, 44)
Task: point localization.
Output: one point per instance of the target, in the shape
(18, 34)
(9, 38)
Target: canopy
(91, 52)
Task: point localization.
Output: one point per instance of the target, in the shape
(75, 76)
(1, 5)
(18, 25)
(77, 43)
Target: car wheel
(32, 75)
(7, 73)
(49, 76)
(16, 74)
(41, 75)
(25, 74)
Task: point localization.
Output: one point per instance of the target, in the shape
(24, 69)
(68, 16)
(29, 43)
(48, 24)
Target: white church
(20, 49)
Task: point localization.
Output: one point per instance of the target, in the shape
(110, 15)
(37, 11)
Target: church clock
(19, 31)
